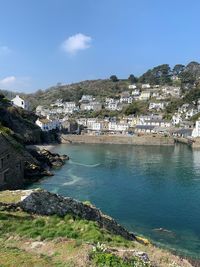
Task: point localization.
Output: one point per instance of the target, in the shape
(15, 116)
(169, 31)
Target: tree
(114, 78)
(136, 108)
(178, 69)
(158, 75)
(1, 96)
(132, 79)
(187, 77)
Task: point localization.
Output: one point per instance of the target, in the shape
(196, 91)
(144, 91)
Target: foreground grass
(12, 256)
(44, 227)
(32, 240)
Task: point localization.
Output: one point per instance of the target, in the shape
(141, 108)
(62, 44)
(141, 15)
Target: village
(74, 117)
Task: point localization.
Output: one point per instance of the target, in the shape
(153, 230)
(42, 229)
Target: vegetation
(114, 78)
(132, 79)
(158, 75)
(31, 226)
(174, 105)
(32, 240)
(137, 108)
(105, 259)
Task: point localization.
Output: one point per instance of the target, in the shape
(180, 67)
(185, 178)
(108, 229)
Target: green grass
(10, 196)
(15, 257)
(51, 227)
(5, 130)
(104, 259)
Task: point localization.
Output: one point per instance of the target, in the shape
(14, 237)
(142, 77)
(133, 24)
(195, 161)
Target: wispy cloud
(15, 83)
(4, 50)
(75, 43)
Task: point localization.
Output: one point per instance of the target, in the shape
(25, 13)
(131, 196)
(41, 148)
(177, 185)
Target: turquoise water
(142, 187)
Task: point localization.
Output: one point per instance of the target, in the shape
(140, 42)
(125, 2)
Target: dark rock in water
(45, 161)
(45, 203)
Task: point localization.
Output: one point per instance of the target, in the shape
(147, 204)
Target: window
(22, 102)
(6, 176)
(18, 166)
(1, 163)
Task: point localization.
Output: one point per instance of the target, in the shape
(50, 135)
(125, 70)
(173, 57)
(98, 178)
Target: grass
(12, 256)
(10, 196)
(43, 227)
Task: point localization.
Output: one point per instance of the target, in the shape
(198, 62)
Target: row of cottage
(98, 126)
(124, 126)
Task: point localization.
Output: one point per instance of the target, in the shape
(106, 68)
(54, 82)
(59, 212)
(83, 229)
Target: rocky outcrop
(45, 161)
(48, 159)
(45, 203)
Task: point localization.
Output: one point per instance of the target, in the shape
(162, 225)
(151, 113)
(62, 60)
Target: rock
(37, 244)
(142, 255)
(45, 203)
(45, 161)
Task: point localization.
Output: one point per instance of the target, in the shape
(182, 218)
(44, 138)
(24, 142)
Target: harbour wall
(151, 140)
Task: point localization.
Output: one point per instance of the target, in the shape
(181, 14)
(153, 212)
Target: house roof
(184, 131)
(45, 121)
(145, 127)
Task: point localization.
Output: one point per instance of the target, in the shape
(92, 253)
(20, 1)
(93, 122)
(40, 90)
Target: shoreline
(147, 140)
(40, 147)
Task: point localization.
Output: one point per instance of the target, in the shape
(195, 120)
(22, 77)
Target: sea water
(153, 191)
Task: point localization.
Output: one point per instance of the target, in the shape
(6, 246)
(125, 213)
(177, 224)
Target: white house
(132, 86)
(47, 125)
(157, 106)
(82, 121)
(117, 127)
(20, 102)
(171, 90)
(136, 92)
(87, 98)
(146, 86)
(112, 105)
(96, 125)
(109, 100)
(126, 99)
(191, 112)
(58, 103)
(145, 95)
(176, 119)
(196, 130)
(70, 107)
(96, 106)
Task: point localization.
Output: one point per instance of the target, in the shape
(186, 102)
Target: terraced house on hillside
(11, 165)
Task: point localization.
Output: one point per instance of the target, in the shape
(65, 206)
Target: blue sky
(49, 41)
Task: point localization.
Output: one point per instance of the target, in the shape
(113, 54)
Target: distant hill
(187, 77)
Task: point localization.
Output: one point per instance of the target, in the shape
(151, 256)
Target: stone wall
(148, 139)
(11, 165)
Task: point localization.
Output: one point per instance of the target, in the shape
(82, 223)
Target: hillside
(20, 124)
(73, 92)
(71, 233)
(185, 76)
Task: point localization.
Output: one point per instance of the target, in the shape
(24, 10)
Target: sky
(45, 42)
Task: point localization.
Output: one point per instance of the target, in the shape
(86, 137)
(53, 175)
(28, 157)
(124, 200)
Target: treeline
(165, 75)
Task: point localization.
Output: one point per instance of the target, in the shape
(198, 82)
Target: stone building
(11, 165)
